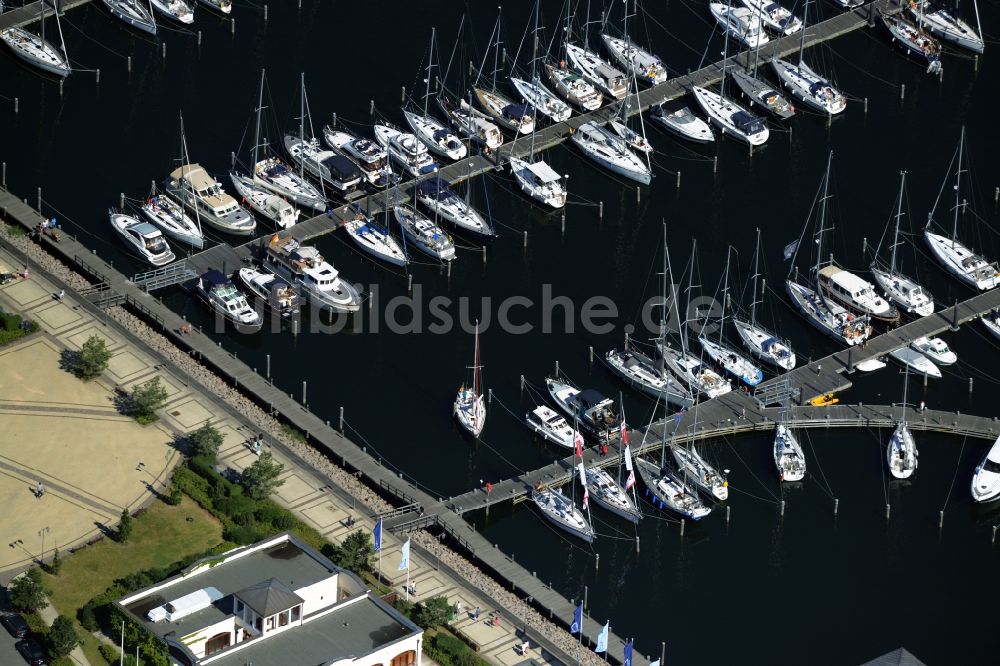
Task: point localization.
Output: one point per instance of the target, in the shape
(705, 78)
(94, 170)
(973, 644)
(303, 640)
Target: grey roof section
(353, 631)
(269, 597)
(294, 564)
(898, 657)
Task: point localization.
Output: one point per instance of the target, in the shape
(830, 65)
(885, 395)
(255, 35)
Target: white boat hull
(955, 256)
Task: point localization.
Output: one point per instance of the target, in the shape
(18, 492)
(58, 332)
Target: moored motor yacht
(740, 22)
(265, 202)
(551, 426)
(683, 123)
(409, 153)
(329, 168)
(644, 65)
(190, 185)
(986, 479)
(774, 16)
(368, 155)
(142, 238)
(854, 293)
(788, 456)
(317, 279)
(936, 349)
(593, 413)
(220, 294)
(574, 88)
(473, 123)
(609, 80)
(275, 292)
(915, 361)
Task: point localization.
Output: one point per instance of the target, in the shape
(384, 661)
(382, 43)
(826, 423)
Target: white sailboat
(470, 404)
(539, 181)
(611, 152)
(170, 217)
(436, 197)
(825, 315)
(695, 470)
(221, 6)
(375, 239)
(986, 479)
(648, 376)
(35, 50)
(957, 258)
(436, 136)
(901, 452)
(135, 13)
(719, 351)
(515, 117)
(539, 97)
(774, 16)
(427, 236)
(472, 122)
(648, 67)
(902, 290)
(912, 41)
(789, 459)
(176, 10)
(669, 491)
(761, 342)
(944, 23)
(806, 85)
(562, 512)
(266, 203)
(683, 123)
(601, 74)
(741, 22)
(605, 491)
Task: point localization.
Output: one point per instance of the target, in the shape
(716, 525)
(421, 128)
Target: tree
(124, 526)
(55, 564)
(26, 592)
(92, 359)
(146, 399)
(261, 478)
(357, 551)
(205, 441)
(62, 637)
(433, 613)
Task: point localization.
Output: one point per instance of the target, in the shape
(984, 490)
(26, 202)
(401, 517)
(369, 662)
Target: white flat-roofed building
(275, 603)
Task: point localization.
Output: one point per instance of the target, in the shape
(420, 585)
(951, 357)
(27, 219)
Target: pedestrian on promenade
(475, 615)
(62, 295)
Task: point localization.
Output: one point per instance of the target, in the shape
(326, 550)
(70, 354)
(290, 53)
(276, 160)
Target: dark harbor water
(806, 589)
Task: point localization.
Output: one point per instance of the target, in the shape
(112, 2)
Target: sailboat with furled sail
(811, 302)
(607, 492)
(35, 50)
(945, 23)
(470, 406)
(719, 351)
(562, 511)
(433, 134)
(902, 290)
(901, 452)
(805, 84)
(534, 92)
(518, 118)
(666, 487)
(957, 258)
(761, 342)
(696, 470)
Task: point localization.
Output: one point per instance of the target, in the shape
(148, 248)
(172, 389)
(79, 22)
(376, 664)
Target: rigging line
(958, 463)
(657, 513)
(670, 34)
(756, 478)
(480, 440)
(561, 534)
(756, 497)
(106, 48)
(812, 450)
(386, 463)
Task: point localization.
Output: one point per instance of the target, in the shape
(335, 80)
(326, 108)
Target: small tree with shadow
(26, 592)
(124, 526)
(434, 612)
(62, 637)
(92, 359)
(357, 552)
(205, 441)
(56, 564)
(146, 399)
(261, 478)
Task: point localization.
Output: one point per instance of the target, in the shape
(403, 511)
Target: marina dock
(28, 14)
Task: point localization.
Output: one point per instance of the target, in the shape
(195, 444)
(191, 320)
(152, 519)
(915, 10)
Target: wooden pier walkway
(28, 14)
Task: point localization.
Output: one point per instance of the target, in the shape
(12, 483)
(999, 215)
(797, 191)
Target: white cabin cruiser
(427, 236)
(436, 136)
(741, 23)
(647, 67)
(698, 376)
(274, 291)
(774, 16)
(594, 413)
(370, 156)
(551, 426)
(788, 456)
(190, 185)
(693, 468)
(409, 153)
(318, 280)
(611, 152)
(134, 13)
(731, 118)
(220, 294)
(35, 51)
(472, 123)
(170, 217)
(855, 293)
(273, 174)
(539, 181)
(574, 88)
(177, 10)
(374, 239)
(942, 22)
(326, 166)
(607, 79)
(683, 123)
(915, 361)
(732, 362)
(901, 453)
(604, 490)
(809, 87)
(518, 118)
(145, 240)
(265, 202)
(936, 349)
(646, 375)
(538, 96)
(561, 511)
(669, 491)
(765, 345)
(435, 195)
(986, 480)
(992, 323)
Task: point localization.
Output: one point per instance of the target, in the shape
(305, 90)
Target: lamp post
(42, 532)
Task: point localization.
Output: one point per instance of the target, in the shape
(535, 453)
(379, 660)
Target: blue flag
(602, 638)
(627, 654)
(577, 625)
(404, 558)
(377, 534)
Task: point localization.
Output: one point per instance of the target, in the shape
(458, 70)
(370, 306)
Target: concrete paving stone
(57, 316)
(124, 365)
(189, 414)
(26, 292)
(325, 515)
(294, 488)
(76, 340)
(168, 382)
(486, 635)
(30, 374)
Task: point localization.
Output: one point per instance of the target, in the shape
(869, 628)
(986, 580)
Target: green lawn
(161, 536)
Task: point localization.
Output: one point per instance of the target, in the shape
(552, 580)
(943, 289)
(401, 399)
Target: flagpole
(605, 644)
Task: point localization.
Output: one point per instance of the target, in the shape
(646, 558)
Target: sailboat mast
(185, 166)
(979, 26)
(496, 53)
(756, 275)
(822, 217)
(256, 137)
(302, 125)
(725, 297)
(475, 369)
(687, 307)
(899, 214)
(958, 185)
(802, 37)
(906, 382)
(725, 51)
(41, 17)
(430, 64)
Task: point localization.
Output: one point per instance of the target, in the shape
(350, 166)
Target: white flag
(790, 249)
(404, 557)
(630, 481)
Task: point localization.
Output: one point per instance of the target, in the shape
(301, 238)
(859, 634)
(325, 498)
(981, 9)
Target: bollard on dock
(781, 511)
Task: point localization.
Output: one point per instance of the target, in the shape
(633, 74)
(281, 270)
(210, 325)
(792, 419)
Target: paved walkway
(49, 615)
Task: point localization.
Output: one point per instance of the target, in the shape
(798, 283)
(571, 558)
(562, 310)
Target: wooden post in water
(678, 185)
(265, 13)
(682, 527)
(341, 420)
(836, 506)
